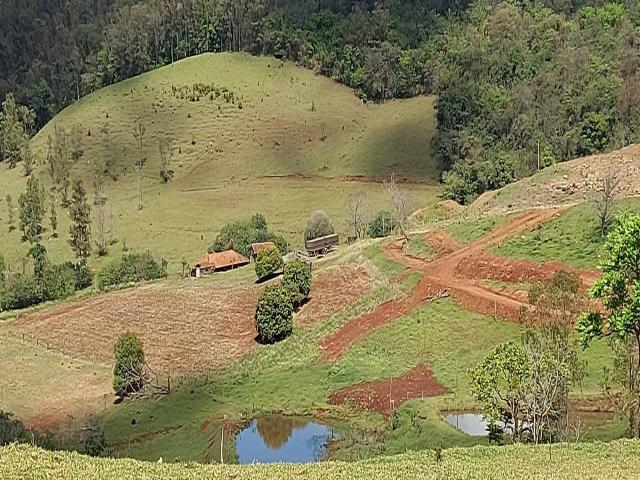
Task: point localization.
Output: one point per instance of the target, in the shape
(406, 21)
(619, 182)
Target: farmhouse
(258, 247)
(218, 262)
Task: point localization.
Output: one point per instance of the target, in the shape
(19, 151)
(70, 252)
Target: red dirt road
(385, 396)
(457, 272)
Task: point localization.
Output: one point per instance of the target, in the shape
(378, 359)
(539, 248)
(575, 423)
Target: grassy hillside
(288, 143)
(616, 460)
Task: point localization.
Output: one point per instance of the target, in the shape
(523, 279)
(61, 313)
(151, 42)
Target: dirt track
(457, 272)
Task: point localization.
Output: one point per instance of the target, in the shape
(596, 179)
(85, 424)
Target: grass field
(300, 142)
(615, 461)
(35, 383)
(572, 238)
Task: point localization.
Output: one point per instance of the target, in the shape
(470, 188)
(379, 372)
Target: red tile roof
(221, 260)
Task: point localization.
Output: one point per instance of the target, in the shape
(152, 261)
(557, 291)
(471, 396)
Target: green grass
(572, 238)
(274, 155)
(615, 460)
(468, 228)
(417, 246)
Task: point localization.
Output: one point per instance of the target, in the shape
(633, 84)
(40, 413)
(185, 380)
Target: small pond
(475, 425)
(283, 439)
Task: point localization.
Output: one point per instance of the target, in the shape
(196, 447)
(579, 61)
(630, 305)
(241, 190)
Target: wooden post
(221, 445)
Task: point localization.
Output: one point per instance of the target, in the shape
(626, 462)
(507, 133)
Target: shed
(258, 247)
(321, 245)
(218, 262)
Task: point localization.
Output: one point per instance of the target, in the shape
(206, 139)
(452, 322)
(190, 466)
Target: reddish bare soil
(329, 295)
(450, 274)
(184, 329)
(385, 396)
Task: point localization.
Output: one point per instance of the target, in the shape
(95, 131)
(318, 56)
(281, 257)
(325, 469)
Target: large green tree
(15, 122)
(80, 228)
(618, 289)
(31, 210)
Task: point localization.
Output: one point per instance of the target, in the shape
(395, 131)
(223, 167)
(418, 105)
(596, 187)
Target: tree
(129, 370)
(604, 199)
(27, 159)
(166, 152)
(268, 262)
(31, 210)
(53, 218)
(11, 221)
(94, 440)
(274, 314)
(102, 228)
(501, 383)
(138, 133)
(358, 211)
(382, 225)
(318, 226)
(15, 121)
(401, 204)
(11, 429)
(297, 275)
(59, 162)
(3, 267)
(39, 255)
(618, 289)
(80, 228)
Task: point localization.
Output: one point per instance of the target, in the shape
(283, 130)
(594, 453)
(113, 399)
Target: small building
(258, 247)
(218, 262)
(321, 245)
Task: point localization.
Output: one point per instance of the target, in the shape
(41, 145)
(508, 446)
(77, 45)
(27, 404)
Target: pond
(475, 425)
(283, 439)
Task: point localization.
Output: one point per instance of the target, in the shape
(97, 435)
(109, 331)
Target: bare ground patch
(185, 328)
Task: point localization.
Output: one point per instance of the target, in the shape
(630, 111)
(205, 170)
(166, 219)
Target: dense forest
(520, 84)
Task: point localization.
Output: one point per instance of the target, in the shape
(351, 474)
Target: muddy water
(283, 439)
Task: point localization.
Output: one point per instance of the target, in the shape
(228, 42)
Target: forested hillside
(520, 84)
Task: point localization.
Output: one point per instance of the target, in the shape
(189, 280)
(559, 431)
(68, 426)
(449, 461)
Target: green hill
(248, 134)
(615, 460)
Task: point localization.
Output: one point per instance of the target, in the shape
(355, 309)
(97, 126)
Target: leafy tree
(139, 132)
(15, 120)
(240, 235)
(59, 162)
(31, 210)
(39, 255)
(166, 152)
(80, 229)
(130, 268)
(53, 217)
(501, 383)
(297, 274)
(382, 225)
(274, 314)
(318, 226)
(11, 222)
(618, 289)
(93, 439)
(268, 261)
(3, 267)
(280, 242)
(129, 369)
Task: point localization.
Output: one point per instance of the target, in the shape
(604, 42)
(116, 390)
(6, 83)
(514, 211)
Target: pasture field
(289, 143)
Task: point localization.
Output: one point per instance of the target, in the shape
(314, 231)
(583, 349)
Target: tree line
(520, 85)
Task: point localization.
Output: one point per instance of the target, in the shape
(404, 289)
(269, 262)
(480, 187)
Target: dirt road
(457, 272)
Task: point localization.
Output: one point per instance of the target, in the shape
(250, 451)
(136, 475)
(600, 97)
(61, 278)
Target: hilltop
(248, 134)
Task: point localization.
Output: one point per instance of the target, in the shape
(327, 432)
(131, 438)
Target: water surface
(283, 439)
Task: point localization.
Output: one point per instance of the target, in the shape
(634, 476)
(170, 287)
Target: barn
(218, 262)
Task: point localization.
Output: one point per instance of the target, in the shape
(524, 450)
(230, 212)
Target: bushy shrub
(58, 281)
(128, 372)
(279, 241)
(318, 226)
(130, 268)
(240, 235)
(274, 313)
(297, 274)
(268, 262)
(11, 429)
(382, 225)
(20, 292)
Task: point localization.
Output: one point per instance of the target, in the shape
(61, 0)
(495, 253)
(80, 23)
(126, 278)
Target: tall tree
(53, 216)
(138, 133)
(39, 255)
(11, 219)
(80, 229)
(618, 289)
(31, 210)
(15, 122)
